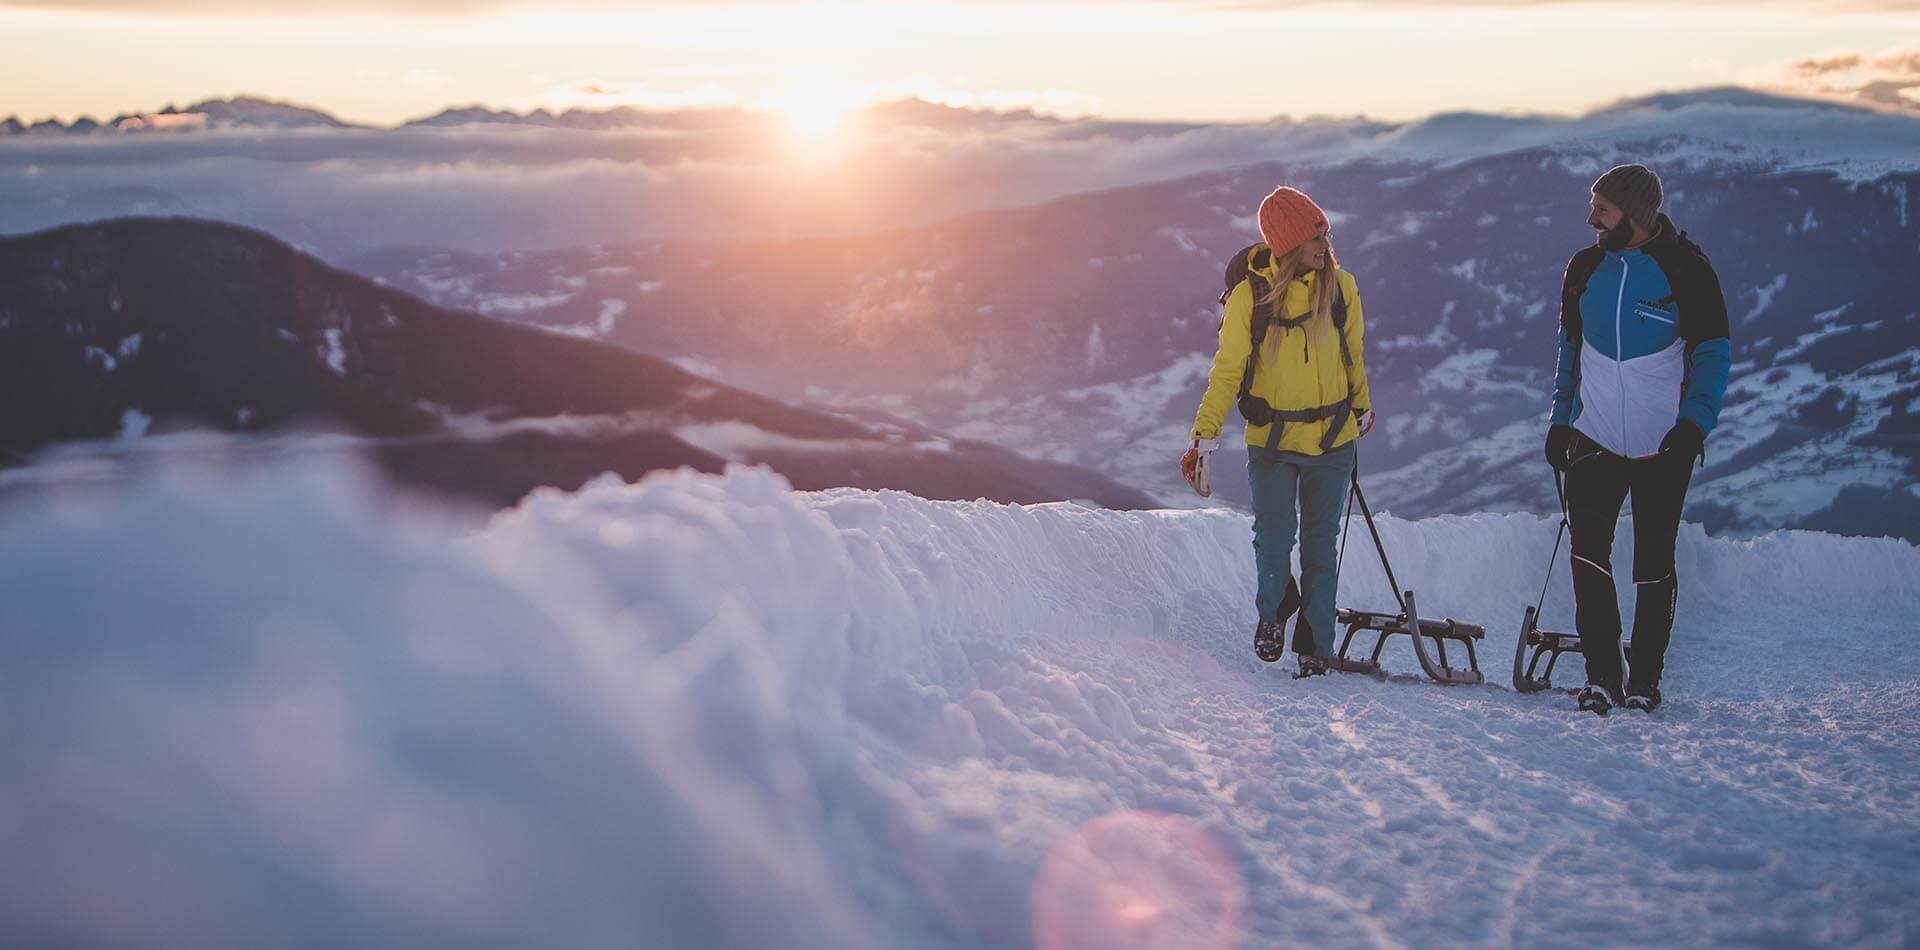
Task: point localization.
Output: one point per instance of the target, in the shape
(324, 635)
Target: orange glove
(1193, 466)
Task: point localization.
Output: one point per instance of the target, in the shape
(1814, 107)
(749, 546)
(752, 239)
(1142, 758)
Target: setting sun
(814, 112)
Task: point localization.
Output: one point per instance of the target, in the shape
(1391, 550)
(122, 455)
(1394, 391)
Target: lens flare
(1138, 879)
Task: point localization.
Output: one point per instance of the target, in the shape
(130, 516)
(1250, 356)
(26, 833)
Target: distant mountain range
(491, 181)
(1077, 330)
(252, 112)
(137, 327)
(1081, 331)
(238, 112)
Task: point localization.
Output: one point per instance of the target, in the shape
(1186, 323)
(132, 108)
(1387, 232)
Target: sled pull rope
(1559, 488)
(1366, 511)
(1346, 524)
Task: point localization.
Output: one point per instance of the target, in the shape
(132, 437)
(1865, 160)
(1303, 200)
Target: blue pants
(1318, 485)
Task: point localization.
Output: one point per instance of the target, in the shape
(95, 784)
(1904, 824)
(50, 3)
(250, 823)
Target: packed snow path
(712, 711)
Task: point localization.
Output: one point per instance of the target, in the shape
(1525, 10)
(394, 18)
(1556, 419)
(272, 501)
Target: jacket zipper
(1620, 353)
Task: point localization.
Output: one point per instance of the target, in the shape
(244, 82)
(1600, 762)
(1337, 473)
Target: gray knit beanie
(1635, 190)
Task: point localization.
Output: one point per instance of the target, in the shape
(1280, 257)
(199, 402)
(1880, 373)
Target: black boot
(1597, 699)
(1269, 642)
(1311, 665)
(1645, 699)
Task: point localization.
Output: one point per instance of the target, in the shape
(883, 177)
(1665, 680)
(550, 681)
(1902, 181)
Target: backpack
(1243, 267)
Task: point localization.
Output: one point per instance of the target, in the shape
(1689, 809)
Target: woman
(1303, 391)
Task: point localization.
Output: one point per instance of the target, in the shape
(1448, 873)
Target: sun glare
(814, 113)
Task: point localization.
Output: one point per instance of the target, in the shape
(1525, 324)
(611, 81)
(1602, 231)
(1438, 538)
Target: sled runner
(1407, 621)
(1535, 643)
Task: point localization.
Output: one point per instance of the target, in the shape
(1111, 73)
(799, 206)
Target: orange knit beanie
(1288, 219)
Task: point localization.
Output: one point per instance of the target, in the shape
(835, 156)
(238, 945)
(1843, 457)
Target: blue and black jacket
(1643, 343)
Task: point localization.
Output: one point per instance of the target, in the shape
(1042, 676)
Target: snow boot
(1310, 665)
(1596, 699)
(1645, 700)
(1269, 640)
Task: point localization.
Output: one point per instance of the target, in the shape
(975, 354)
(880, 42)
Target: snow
(1184, 241)
(1095, 349)
(334, 353)
(1763, 297)
(1121, 426)
(610, 310)
(1806, 477)
(739, 441)
(712, 711)
(494, 304)
(1475, 372)
(697, 366)
(1853, 144)
(457, 286)
(134, 424)
(1826, 325)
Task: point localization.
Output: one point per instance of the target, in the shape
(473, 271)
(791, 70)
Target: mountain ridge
(161, 322)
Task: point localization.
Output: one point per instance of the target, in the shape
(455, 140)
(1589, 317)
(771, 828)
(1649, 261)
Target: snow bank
(708, 710)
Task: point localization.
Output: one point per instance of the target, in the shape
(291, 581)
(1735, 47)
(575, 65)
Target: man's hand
(1560, 446)
(1683, 442)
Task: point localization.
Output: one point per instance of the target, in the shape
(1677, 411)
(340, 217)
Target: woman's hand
(1193, 466)
(1366, 422)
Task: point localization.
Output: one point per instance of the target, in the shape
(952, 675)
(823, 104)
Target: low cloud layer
(1885, 79)
(505, 182)
(493, 187)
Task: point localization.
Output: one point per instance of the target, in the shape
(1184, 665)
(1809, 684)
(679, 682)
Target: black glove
(1559, 446)
(1683, 442)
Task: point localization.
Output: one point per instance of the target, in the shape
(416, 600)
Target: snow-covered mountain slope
(710, 711)
(1081, 331)
(109, 329)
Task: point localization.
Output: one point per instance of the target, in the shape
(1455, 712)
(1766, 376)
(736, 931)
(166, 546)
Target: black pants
(1598, 481)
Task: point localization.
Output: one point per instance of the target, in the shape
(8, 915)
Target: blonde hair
(1325, 286)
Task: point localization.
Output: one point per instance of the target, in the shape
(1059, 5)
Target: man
(1644, 357)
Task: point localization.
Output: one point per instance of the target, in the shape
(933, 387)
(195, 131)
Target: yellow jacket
(1301, 372)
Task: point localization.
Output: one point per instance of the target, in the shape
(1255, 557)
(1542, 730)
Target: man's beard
(1616, 237)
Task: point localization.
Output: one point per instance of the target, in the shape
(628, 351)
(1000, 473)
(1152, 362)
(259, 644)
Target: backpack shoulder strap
(1262, 306)
(1242, 263)
(1340, 318)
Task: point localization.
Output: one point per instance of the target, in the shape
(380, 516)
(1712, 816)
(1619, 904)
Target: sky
(384, 63)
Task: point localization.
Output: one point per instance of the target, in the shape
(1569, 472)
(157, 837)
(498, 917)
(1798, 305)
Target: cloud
(718, 174)
(1889, 78)
(515, 183)
(1822, 67)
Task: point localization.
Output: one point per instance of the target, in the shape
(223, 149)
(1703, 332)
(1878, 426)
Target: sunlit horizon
(813, 63)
